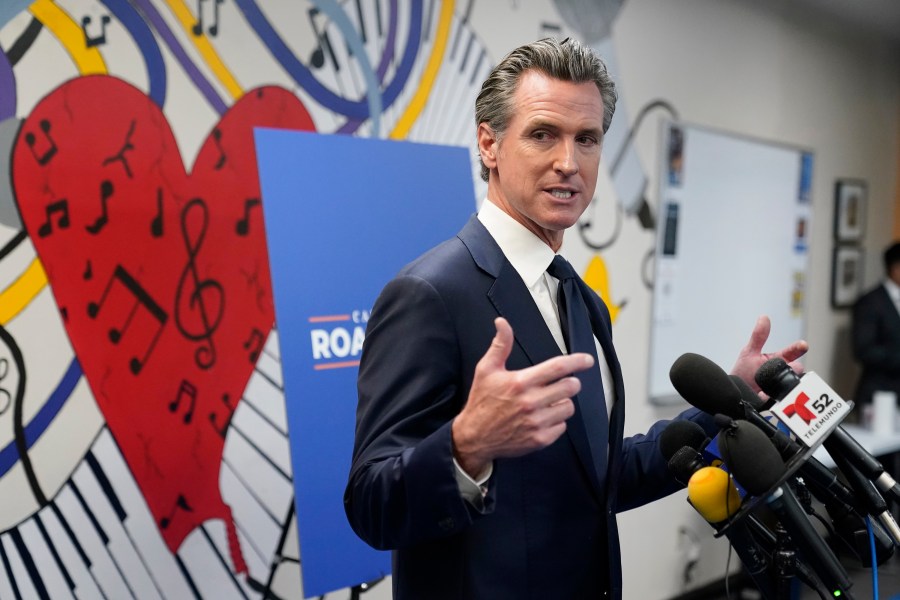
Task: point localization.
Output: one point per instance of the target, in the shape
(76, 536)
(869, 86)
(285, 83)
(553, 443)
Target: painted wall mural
(143, 439)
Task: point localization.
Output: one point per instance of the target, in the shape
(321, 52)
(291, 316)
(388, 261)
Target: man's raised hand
(511, 413)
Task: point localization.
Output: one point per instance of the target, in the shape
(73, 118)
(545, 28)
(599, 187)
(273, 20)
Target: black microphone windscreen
(773, 377)
(723, 421)
(751, 457)
(747, 394)
(678, 434)
(684, 463)
(705, 385)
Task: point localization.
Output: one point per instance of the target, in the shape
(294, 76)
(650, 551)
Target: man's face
(544, 169)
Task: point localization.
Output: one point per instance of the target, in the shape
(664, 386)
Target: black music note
(243, 225)
(197, 29)
(181, 503)
(44, 158)
(217, 138)
(141, 298)
(213, 29)
(317, 59)
(106, 190)
(99, 40)
(255, 341)
(223, 430)
(5, 396)
(156, 226)
(88, 271)
(61, 207)
(188, 390)
(203, 293)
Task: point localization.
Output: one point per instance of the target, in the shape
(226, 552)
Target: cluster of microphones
(755, 483)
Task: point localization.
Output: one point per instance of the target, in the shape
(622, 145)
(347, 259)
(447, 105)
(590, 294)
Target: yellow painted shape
(23, 290)
(597, 277)
(88, 60)
(429, 75)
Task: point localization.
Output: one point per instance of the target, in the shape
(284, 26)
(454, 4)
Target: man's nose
(565, 161)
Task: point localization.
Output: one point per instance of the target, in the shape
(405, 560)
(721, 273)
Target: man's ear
(487, 145)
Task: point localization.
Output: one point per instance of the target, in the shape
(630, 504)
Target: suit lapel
(512, 300)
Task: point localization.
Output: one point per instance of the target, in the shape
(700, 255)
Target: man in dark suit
(477, 459)
(876, 332)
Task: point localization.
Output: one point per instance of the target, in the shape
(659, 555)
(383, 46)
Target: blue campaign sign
(343, 215)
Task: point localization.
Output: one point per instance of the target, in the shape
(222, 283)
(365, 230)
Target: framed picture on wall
(846, 275)
(849, 210)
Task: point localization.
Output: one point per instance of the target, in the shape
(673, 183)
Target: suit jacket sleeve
(645, 474)
(402, 488)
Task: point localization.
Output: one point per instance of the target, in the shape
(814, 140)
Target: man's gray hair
(567, 60)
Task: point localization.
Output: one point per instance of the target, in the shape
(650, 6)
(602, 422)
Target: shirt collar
(893, 290)
(526, 252)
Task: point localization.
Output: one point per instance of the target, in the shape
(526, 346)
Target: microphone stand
(788, 566)
(357, 590)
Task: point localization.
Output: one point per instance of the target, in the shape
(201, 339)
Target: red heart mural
(162, 276)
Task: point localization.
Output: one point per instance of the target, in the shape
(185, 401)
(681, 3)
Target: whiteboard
(732, 244)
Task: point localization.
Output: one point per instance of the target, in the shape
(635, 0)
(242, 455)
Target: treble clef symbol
(204, 294)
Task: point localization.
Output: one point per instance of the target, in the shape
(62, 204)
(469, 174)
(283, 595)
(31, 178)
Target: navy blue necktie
(579, 336)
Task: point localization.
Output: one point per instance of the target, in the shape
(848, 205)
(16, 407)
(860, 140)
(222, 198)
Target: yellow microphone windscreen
(713, 494)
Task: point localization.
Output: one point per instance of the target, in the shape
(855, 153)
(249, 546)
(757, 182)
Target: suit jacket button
(446, 524)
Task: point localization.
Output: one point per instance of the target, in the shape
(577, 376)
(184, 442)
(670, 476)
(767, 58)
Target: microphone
(854, 530)
(705, 495)
(750, 397)
(678, 434)
(679, 443)
(705, 385)
(684, 463)
(874, 501)
(757, 466)
(843, 507)
(713, 494)
(776, 378)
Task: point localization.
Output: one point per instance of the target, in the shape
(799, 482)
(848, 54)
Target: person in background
(876, 332)
(490, 456)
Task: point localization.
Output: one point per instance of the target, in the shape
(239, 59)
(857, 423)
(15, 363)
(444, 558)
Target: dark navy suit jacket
(547, 528)
(876, 343)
